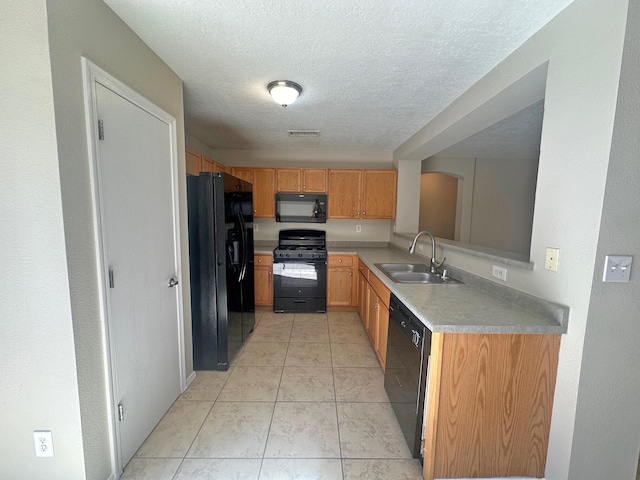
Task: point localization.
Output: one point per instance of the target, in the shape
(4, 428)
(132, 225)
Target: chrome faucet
(434, 265)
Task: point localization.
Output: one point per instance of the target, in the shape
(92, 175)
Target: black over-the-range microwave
(301, 207)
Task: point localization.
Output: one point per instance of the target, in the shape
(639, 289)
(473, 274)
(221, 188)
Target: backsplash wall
(337, 230)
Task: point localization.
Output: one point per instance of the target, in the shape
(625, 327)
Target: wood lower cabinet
(373, 308)
(263, 275)
(489, 405)
(342, 281)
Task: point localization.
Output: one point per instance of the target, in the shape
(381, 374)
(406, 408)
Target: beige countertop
(476, 306)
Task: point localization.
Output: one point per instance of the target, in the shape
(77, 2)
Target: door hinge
(100, 130)
(120, 412)
(111, 283)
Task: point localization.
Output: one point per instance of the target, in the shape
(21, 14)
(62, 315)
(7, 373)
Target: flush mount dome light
(284, 92)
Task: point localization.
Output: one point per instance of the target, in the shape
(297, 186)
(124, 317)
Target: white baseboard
(190, 379)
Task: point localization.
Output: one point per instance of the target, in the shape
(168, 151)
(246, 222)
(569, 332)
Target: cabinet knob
(364, 213)
(340, 261)
(304, 186)
(255, 211)
(350, 274)
(357, 213)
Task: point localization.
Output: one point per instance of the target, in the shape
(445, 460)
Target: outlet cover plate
(499, 272)
(551, 260)
(617, 268)
(43, 443)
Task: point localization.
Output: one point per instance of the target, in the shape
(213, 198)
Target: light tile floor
(304, 399)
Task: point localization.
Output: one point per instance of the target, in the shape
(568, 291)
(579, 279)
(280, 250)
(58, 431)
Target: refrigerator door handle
(243, 268)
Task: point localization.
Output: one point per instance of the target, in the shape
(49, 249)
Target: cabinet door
(362, 299)
(243, 173)
(208, 165)
(345, 187)
(263, 275)
(194, 162)
(372, 324)
(314, 180)
(339, 286)
(379, 194)
(288, 180)
(264, 195)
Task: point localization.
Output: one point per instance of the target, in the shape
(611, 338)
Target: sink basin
(402, 267)
(413, 273)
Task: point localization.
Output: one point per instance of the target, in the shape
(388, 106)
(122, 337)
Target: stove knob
(300, 255)
(287, 255)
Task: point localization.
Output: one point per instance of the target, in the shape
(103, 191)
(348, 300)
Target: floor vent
(303, 133)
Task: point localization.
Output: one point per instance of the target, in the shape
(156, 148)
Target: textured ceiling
(373, 72)
(517, 136)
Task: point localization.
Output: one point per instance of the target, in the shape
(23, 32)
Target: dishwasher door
(405, 377)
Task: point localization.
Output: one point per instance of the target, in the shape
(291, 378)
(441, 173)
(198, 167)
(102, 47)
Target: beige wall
(438, 202)
(53, 374)
(583, 48)
(503, 200)
(38, 383)
(337, 230)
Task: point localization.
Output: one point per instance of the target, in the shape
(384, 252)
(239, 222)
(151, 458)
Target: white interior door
(136, 202)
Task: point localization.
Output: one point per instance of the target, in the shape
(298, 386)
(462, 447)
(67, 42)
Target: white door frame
(93, 74)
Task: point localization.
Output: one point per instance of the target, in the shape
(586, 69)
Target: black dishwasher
(405, 376)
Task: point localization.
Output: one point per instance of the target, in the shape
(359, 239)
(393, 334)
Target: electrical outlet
(551, 261)
(256, 227)
(43, 442)
(499, 272)
(420, 247)
(358, 228)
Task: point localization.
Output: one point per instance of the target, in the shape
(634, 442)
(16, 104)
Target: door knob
(173, 282)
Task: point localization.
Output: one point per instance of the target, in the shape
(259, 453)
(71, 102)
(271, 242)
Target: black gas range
(300, 271)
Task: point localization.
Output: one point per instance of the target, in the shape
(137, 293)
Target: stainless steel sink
(413, 273)
(402, 267)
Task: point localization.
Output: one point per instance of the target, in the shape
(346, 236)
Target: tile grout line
(335, 398)
(273, 412)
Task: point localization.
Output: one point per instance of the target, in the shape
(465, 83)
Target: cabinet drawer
(340, 260)
(263, 259)
(382, 291)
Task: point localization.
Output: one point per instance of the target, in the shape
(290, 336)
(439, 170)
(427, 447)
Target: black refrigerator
(221, 262)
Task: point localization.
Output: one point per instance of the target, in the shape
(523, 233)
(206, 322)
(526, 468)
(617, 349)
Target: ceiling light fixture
(284, 92)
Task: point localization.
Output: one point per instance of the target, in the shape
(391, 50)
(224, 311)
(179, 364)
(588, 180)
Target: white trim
(191, 378)
(93, 74)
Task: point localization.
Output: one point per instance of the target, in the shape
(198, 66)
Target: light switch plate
(617, 268)
(551, 261)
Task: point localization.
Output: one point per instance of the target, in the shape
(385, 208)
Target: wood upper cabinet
(344, 194)
(243, 173)
(288, 180)
(305, 180)
(264, 194)
(342, 281)
(194, 162)
(314, 180)
(263, 275)
(379, 194)
(209, 165)
(366, 194)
